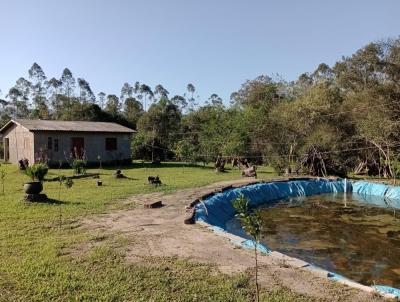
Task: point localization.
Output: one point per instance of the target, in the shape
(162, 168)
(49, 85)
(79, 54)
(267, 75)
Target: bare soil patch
(160, 232)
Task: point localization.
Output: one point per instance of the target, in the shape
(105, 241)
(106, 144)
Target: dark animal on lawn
(154, 180)
(23, 164)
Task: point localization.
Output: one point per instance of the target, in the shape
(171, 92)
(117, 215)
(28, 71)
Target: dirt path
(161, 232)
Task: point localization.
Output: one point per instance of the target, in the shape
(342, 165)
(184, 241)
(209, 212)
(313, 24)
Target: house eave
(8, 125)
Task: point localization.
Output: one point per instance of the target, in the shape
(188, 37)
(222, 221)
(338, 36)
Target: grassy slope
(36, 263)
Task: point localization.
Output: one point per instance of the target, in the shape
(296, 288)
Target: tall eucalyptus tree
(101, 99)
(133, 110)
(54, 90)
(126, 92)
(86, 94)
(190, 100)
(25, 87)
(38, 92)
(161, 91)
(148, 94)
(179, 101)
(19, 107)
(215, 100)
(113, 105)
(68, 83)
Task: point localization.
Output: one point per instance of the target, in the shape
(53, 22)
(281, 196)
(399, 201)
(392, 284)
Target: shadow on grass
(45, 201)
(52, 201)
(127, 178)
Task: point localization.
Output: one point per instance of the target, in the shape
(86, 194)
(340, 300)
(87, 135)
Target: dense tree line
(349, 112)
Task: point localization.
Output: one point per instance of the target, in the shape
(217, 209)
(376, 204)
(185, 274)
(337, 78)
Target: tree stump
(249, 172)
(219, 165)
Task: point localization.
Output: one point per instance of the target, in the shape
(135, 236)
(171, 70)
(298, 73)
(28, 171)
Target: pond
(338, 232)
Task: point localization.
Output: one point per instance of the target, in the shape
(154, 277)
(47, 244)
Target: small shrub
(68, 182)
(77, 161)
(279, 164)
(36, 172)
(79, 166)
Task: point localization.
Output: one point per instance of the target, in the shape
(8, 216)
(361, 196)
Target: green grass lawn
(36, 263)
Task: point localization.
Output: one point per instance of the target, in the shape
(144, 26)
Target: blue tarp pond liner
(387, 290)
(219, 206)
(217, 209)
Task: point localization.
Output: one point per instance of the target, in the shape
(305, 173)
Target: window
(56, 145)
(49, 143)
(111, 143)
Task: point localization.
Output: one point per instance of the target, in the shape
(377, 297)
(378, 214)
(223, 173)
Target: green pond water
(340, 233)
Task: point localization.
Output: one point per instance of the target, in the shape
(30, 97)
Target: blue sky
(214, 44)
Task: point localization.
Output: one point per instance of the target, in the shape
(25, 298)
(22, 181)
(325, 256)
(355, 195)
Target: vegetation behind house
(349, 112)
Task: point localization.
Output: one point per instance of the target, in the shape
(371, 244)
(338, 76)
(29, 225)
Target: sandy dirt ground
(160, 232)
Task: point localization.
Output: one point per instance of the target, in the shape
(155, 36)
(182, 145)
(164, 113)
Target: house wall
(21, 142)
(94, 145)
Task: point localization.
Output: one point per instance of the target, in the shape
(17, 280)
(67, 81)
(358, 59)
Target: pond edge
(200, 210)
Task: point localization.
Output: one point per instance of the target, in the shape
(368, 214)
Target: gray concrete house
(59, 140)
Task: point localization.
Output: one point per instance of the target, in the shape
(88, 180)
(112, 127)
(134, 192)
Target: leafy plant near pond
(251, 223)
(37, 171)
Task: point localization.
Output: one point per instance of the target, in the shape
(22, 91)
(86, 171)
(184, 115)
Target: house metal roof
(68, 126)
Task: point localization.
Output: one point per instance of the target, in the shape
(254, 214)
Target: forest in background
(345, 117)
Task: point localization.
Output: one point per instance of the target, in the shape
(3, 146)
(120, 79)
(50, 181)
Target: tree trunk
(152, 146)
(256, 271)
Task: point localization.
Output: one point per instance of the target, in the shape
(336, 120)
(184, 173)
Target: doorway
(77, 147)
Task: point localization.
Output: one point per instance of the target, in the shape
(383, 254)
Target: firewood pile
(373, 167)
(368, 166)
(318, 163)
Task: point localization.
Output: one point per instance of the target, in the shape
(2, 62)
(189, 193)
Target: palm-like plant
(36, 172)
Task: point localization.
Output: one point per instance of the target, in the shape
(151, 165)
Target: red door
(77, 147)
